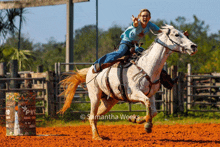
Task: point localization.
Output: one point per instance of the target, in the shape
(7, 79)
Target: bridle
(157, 40)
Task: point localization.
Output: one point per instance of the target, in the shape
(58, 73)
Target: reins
(157, 40)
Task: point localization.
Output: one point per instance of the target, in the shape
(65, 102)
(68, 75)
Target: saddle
(121, 88)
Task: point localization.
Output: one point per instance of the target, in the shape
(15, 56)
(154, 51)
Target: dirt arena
(119, 135)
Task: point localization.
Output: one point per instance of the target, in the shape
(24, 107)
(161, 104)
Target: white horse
(137, 87)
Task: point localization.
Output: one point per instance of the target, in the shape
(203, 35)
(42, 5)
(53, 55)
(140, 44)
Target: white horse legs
(142, 119)
(95, 100)
(97, 111)
(106, 105)
(150, 110)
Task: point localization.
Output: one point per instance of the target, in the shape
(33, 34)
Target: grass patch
(120, 119)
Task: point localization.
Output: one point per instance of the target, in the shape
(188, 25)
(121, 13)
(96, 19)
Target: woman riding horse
(141, 81)
(130, 38)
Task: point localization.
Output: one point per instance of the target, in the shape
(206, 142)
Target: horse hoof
(148, 127)
(140, 120)
(132, 118)
(97, 138)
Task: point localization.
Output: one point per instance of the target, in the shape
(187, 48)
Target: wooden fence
(41, 83)
(174, 98)
(192, 93)
(203, 92)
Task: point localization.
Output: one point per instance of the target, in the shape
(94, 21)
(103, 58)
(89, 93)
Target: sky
(45, 22)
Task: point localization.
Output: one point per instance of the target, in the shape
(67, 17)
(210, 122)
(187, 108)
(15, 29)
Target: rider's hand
(135, 20)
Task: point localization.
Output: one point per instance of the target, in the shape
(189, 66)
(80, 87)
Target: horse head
(177, 41)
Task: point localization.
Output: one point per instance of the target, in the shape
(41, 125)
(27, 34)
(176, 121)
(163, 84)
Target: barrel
(27, 115)
(24, 115)
(11, 99)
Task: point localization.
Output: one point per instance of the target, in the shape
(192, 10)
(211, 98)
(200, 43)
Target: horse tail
(70, 85)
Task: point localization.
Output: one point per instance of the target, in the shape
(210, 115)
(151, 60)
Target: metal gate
(203, 93)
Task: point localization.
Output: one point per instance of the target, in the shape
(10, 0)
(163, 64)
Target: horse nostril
(194, 47)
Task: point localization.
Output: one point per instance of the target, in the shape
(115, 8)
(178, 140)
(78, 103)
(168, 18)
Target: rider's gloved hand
(139, 50)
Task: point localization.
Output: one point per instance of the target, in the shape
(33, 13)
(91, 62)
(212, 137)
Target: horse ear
(166, 26)
(164, 30)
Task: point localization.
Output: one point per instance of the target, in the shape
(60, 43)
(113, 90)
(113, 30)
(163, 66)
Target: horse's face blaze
(183, 44)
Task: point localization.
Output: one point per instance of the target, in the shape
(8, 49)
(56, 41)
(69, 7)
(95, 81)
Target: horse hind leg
(99, 110)
(106, 105)
(95, 100)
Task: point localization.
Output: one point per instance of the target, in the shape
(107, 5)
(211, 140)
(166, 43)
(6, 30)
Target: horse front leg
(141, 97)
(148, 125)
(142, 119)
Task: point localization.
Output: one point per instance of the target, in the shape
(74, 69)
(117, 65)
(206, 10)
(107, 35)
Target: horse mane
(146, 52)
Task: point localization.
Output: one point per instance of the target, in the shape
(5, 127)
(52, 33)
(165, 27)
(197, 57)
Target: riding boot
(98, 68)
(166, 80)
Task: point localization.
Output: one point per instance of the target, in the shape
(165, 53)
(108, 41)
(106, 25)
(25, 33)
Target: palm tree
(22, 19)
(24, 57)
(7, 25)
(7, 21)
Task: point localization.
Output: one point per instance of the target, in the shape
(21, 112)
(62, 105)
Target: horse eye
(177, 35)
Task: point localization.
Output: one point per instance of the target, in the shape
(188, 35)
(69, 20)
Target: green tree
(26, 42)
(24, 57)
(9, 51)
(110, 39)
(48, 54)
(85, 44)
(7, 21)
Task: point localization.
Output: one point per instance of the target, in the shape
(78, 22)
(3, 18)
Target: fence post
(14, 73)
(174, 92)
(50, 93)
(180, 90)
(2, 69)
(27, 83)
(53, 103)
(47, 95)
(40, 69)
(189, 92)
(2, 93)
(169, 95)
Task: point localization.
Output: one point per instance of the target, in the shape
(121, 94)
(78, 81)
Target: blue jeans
(110, 57)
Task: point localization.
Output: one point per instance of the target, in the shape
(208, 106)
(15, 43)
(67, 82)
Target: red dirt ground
(119, 135)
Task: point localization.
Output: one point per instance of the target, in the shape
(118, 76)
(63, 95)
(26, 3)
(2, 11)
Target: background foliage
(205, 61)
